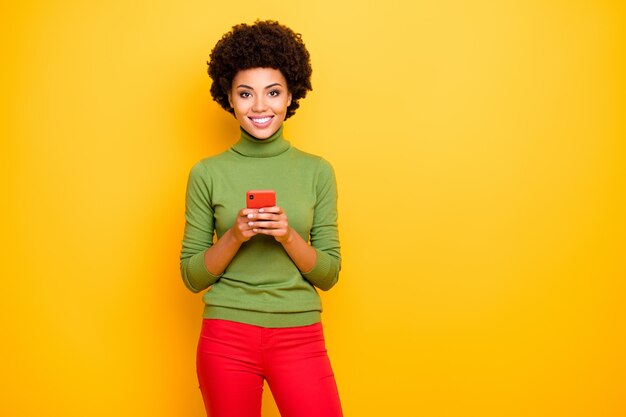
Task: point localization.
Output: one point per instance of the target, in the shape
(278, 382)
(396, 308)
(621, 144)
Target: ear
(289, 100)
(230, 99)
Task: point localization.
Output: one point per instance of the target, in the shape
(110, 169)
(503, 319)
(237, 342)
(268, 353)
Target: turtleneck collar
(250, 146)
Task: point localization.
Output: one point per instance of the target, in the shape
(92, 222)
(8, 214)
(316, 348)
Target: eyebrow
(269, 86)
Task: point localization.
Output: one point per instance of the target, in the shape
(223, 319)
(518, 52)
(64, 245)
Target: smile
(261, 121)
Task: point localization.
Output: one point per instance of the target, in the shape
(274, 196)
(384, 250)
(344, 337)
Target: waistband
(263, 319)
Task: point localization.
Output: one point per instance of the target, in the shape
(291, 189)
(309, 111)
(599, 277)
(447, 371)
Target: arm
(319, 262)
(274, 222)
(201, 261)
(218, 256)
(324, 232)
(199, 230)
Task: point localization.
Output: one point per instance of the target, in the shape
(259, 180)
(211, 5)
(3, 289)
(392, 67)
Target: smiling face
(260, 98)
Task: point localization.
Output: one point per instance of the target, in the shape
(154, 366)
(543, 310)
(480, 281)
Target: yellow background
(480, 153)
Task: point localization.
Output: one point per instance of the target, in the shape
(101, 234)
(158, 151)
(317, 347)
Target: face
(260, 99)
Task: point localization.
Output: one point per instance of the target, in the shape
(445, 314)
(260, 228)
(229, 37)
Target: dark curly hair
(264, 44)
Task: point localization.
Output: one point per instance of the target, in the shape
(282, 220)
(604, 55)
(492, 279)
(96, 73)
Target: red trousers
(234, 359)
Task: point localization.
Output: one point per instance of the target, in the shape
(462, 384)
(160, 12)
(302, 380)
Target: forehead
(259, 77)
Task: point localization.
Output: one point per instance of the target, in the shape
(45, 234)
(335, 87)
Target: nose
(259, 104)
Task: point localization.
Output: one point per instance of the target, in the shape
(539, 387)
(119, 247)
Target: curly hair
(264, 44)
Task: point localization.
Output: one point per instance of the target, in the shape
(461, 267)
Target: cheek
(238, 107)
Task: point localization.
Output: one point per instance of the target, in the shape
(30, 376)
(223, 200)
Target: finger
(246, 212)
(243, 221)
(270, 216)
(244, 232)
(268, 225)
(274, 209)
(270, 232)
(244, 228)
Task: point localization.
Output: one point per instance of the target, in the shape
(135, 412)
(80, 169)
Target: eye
(274, 93)
(244, 94)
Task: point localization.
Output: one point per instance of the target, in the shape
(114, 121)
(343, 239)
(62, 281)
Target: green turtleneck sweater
(262, 285)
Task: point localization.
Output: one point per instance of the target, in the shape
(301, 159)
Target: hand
(242, 229)
(270, 221)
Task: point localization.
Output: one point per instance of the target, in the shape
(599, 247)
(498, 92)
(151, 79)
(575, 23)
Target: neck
(251, 146)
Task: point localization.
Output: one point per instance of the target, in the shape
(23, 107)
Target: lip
(264, 123)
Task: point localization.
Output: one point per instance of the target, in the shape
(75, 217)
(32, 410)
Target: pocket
(303, 338)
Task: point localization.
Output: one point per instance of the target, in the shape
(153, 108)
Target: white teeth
(261, 121)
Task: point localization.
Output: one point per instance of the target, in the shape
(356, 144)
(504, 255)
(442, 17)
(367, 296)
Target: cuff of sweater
(321, 275)
(197, 274)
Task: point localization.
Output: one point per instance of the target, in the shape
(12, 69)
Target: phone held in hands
(256, 199)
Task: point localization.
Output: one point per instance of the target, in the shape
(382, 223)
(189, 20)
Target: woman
(262, 315)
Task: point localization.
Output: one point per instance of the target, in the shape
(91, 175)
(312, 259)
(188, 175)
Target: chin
(262, 133)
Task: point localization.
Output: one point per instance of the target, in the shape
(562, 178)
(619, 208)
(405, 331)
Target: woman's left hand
(271, 221)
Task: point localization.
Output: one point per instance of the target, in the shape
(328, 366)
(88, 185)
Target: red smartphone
(256, 199)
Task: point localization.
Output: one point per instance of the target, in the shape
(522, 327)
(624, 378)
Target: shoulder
(314, 161)
(212, 163)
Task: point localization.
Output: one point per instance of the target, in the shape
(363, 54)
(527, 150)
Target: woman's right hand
(242, 229)
(218, 256)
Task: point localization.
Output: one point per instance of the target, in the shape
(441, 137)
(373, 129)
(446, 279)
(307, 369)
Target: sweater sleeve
(199, 229)
(324, 233)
